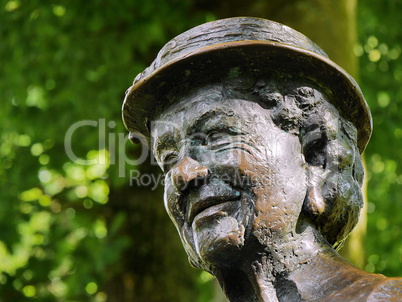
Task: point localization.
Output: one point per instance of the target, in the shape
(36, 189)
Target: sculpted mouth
(197, 207)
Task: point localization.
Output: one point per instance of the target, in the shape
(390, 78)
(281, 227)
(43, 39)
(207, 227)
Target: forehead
(194, 104)
(206, 105)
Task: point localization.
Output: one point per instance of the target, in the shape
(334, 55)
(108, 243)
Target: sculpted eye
(214, 136)
(168, 161)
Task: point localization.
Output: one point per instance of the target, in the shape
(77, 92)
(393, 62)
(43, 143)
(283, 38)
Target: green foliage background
(379, 50)
(62, 62)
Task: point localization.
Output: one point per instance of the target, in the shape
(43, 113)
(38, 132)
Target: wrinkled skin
(232, 176)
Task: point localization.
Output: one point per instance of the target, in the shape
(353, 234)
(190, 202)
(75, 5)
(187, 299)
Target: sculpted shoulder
(390, 289)
(370, 288)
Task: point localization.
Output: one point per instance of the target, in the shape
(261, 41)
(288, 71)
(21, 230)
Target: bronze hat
(236, 45)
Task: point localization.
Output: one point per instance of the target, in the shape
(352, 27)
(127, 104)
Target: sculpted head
(252, 156)
(249, 163)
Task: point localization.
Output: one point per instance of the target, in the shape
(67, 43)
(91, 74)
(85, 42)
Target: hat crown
(229, 30)
(247, 46)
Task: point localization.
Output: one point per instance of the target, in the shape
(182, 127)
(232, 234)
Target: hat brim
(211, 63)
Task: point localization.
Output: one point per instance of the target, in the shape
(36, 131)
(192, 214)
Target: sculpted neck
(276, 272)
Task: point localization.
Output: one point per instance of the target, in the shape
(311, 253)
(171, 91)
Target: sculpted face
(232, 176)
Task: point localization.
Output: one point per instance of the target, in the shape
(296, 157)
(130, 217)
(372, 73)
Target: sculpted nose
(186, 171)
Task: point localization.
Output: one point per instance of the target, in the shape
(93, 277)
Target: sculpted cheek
(172, 205)
(232, 167)
(279, 186)
(272, 212)
(224, 158)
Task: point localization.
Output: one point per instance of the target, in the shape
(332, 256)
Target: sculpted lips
(202, 205)
(208, 196)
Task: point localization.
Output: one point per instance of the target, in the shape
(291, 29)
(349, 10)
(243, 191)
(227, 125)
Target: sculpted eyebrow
(207, 120)
(167, 139)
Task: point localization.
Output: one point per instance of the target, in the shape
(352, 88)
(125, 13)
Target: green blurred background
(77, 230)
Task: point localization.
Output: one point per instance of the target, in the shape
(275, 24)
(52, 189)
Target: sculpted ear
(333, 199)
(314, 203)
(314, 151)
(314, 145)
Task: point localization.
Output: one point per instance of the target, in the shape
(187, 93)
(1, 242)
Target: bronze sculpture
(259, 135)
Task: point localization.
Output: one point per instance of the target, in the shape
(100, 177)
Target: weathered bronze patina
(259, 135)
